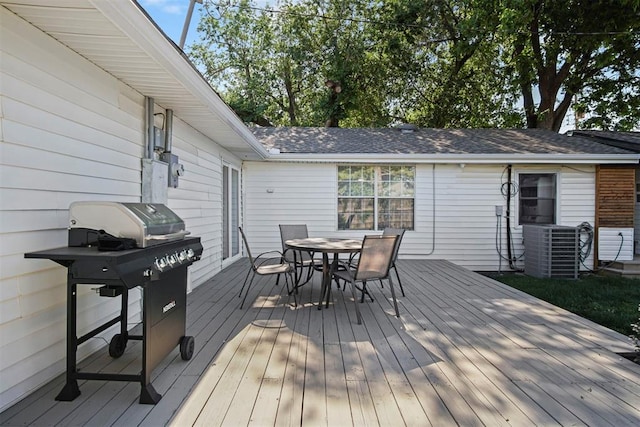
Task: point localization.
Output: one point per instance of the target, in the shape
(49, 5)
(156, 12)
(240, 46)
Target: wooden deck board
(466, 350)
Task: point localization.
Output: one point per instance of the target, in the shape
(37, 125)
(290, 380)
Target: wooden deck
(466, 351)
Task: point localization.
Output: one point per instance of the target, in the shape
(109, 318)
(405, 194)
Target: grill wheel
(117, 345)
(187, 344)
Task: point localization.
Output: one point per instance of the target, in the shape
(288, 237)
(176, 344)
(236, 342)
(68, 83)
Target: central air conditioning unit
(551, 251)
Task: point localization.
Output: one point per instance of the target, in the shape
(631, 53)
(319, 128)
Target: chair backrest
(293, 231)
(246, 245)
(395, 232)
(376, 257)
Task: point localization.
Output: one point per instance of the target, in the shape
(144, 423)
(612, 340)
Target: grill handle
(170, 236)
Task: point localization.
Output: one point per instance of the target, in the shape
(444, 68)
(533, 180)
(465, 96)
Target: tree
(445, 60)
(573, 48)
(299, 65)
(234, 60)
(435, 63)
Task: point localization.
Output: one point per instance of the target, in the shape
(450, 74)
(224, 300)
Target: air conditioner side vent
(551, 251)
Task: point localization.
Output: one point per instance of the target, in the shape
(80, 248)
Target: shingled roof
(625, 140)
(306, 140)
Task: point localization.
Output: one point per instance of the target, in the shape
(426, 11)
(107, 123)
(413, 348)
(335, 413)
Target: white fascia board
(460, 158)
(132, 21)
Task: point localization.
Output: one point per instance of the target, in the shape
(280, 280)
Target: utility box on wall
(615, 244)
(154, 181)
(176, 170)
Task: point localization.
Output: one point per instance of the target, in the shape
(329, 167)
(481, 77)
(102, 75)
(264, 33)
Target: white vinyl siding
(70, 132)
(287, 193)
(465, 198)
(198, 198)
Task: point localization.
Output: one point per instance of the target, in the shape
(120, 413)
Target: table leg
(326, 278)
(334, 267)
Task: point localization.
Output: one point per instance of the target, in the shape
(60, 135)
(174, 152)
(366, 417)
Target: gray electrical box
(176, 170)
(158, 139)
(154, 181)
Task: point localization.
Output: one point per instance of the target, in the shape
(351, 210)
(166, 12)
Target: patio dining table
(326, 246)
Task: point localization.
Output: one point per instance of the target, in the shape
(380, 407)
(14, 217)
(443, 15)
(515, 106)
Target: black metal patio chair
(262, 265)
(374, 263)
(400, 233)
(303, 261)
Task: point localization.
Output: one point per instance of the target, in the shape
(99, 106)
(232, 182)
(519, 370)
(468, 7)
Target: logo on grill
(168, 307)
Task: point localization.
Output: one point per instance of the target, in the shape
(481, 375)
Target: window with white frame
(537, 198)
(376, 197)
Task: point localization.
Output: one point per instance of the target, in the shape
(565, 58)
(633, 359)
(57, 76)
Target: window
(537, 203)
(375, 197)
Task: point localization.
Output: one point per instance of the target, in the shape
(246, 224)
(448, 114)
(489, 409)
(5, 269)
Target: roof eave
(156, 44)
(95, 29)
(460, 158)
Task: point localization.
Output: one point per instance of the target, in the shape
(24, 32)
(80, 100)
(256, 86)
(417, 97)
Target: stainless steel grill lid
(147, 223)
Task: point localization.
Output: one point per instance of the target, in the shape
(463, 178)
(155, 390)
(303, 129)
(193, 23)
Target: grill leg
(149, 395)
(71, 390)
(124, 315)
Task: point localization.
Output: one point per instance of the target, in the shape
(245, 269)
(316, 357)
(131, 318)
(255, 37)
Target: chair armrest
(278, 254)
(286, 251)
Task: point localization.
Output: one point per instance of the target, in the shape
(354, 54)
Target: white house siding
(198, 198)
(465, 197)
(287, 193)
(70, 131)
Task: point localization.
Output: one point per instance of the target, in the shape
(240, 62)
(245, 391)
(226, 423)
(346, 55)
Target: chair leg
(366, 292)
(246, 293)
(393, 296)
(245, 282)
(293, 291)
(335, 279)
(398, 276)
(355, 301)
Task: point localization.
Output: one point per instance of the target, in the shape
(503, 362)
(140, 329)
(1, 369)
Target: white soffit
(120, 38)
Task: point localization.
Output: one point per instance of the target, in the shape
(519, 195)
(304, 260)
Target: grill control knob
(172, 259)
(161, 263)
(182, 256)
(190, 253)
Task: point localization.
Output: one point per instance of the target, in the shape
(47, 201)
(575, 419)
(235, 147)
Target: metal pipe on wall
(148, 110)
(168, 131)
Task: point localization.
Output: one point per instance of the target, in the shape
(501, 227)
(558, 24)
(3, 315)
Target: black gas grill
(138, 245)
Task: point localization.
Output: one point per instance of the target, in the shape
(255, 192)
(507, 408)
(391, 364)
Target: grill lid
(157, 218)
(147, 223)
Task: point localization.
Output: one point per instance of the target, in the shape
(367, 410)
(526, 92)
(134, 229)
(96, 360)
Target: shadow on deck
(466, 350)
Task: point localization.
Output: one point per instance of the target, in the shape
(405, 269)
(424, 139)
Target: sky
(170, 16)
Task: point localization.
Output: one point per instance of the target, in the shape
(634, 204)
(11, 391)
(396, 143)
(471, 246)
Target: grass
(608, 301)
